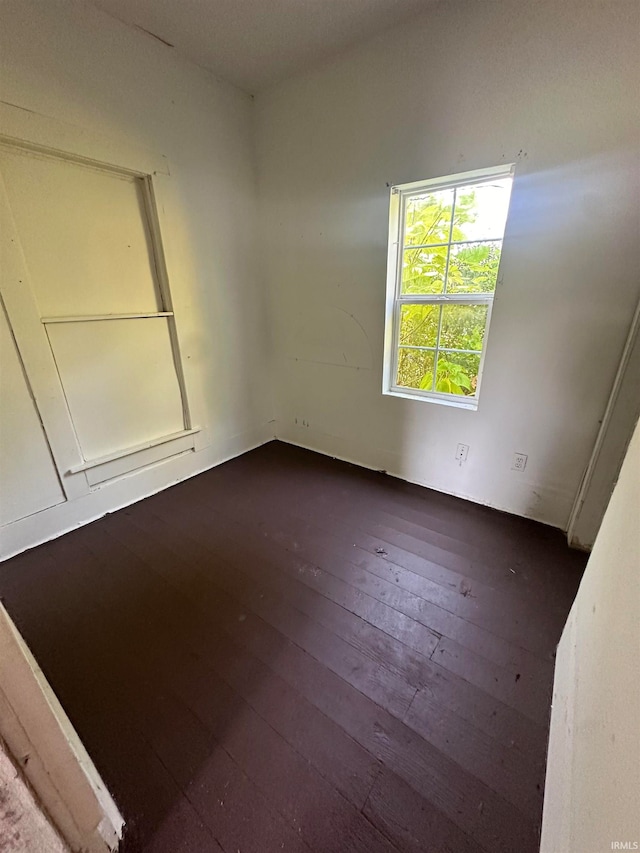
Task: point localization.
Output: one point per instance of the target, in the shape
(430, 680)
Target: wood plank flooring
(292, 653)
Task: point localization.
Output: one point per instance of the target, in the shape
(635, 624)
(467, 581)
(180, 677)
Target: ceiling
(256, 43)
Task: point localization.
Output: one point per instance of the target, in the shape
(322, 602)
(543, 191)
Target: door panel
(119, 380)
(84, 234)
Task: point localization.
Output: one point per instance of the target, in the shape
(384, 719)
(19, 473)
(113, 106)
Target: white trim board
(132, 451)
(42, 133)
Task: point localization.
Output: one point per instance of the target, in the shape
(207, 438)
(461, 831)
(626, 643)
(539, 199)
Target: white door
(92, 378)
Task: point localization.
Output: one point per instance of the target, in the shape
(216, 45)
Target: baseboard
(53, 522)
(378, 459)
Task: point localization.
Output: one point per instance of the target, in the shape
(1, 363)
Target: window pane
(415, 368)
(457, 373)
(473, 267)
(463, 326)
(427, 218)
(481, 211)
(419, 325)
(423, 270)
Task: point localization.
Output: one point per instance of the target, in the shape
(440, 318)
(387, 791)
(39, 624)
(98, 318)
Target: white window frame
(400, 193)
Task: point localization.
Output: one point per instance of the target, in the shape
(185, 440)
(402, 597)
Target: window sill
(429, 397)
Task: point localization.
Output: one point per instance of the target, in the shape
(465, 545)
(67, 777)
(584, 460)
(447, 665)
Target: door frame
(582, 496)
(45, 746)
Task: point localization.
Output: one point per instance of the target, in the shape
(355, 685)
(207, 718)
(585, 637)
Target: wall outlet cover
(519, 461)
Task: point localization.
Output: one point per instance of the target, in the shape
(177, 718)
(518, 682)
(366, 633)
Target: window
(445, 241)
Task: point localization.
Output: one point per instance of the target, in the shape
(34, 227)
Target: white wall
(552, 86)
(69, 61)
(592, 793)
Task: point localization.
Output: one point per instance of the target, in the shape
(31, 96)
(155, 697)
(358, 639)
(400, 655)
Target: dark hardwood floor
(291, 653)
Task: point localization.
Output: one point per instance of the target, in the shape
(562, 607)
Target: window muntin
(445, 242)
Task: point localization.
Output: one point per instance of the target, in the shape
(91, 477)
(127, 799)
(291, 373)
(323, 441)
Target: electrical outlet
(462, 452)
(519, 461)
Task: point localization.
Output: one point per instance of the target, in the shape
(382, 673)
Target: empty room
(319, 457)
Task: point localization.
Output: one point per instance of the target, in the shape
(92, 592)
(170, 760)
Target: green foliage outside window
(431, 269)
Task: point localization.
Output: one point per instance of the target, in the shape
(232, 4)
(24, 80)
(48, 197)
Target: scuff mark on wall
(329, 334)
